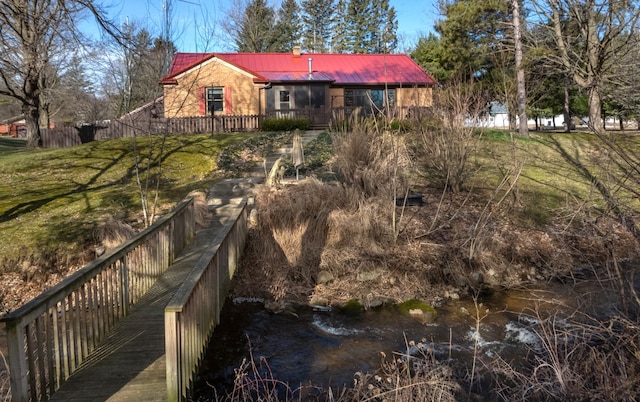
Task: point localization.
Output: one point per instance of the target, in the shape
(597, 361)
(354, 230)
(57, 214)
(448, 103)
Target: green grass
(557, 170)
(10, 145)
(52, 200)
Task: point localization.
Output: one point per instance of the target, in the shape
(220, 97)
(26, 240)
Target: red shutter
(202, 100)
(228, 104)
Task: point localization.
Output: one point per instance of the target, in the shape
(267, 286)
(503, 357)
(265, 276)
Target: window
(215, 99)
(285, 102)
(369, 98)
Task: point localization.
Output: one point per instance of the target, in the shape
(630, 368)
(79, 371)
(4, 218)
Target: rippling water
(326, 347)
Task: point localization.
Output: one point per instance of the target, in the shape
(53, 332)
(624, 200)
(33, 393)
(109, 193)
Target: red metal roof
(343, 69)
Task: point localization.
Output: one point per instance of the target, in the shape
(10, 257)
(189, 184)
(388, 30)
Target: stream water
(326, 347)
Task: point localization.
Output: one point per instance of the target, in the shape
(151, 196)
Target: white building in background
(496, 118)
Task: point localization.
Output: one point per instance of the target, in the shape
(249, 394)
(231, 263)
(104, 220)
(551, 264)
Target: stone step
(257, 173)
(231, 188)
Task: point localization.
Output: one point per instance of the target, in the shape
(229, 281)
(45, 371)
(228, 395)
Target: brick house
(315, 86)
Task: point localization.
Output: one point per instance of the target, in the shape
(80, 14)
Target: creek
(326, 347)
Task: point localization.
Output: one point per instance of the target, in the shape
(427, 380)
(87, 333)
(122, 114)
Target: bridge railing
(194, 311)
(50, 337)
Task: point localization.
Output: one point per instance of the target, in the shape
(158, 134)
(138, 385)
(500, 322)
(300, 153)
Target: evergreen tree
(361, 26)
(256, 31)
(340, 37)
(472, 33)
(289, 26)
(318, 22)
(388, 22)
(429, 54)
(366, 26)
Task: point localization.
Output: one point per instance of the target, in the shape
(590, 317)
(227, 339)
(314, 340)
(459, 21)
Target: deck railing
(50, 337)
(194, 311)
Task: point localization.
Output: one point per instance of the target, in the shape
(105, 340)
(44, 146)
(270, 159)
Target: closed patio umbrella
(297, 153)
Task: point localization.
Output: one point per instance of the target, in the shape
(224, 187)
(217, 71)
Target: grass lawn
(52, 200)
(558, 172)
(9, 145)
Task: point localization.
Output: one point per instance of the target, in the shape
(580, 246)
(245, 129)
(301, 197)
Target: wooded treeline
(319, 26)
(580, 58)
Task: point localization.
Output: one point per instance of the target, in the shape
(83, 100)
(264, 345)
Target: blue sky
(194, 20)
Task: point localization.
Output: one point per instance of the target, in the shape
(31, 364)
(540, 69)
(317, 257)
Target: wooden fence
(50, 337)
(194, 311)
(70, 135)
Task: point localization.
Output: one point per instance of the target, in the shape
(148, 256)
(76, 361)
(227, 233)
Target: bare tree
(590, 36)
(29, 30)
(520, 80)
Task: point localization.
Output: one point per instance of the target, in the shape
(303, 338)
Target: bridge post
(17, 361)
(125, 286)
(172, 355)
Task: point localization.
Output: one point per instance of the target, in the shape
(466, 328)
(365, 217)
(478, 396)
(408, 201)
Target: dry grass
(347, 230)
(113, 232)
(371, 161)
(354, 230)
(578, 360)
(5, 386)
(402, 378)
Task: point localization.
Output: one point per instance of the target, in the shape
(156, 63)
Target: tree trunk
(31, 119)
(595, 110)
(567, 106)
(520, 80)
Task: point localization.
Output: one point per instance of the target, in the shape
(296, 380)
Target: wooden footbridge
(134, 324)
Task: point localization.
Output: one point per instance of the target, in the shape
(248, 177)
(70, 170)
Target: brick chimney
(296, 51)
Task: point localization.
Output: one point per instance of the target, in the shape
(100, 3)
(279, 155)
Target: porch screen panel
(301, 96)
(270, 100)
(318, 96)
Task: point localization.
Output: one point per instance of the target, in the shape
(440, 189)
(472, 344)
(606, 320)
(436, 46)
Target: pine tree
(361, 26)
(340, 38)
(256, 30)
(387, 41)
(289, 26)
(366, 26)
(318, 19)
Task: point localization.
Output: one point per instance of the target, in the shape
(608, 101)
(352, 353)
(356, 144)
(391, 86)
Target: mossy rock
(352, 307)
(418, 309)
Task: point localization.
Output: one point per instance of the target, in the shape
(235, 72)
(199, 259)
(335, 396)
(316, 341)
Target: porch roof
(341, 69)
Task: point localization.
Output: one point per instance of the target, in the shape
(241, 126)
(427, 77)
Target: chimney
(296, 51)
(310, 65)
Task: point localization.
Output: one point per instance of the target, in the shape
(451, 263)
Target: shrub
(273, 124)
(445, 142)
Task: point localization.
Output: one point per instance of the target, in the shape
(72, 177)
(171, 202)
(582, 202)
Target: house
(497, 116)
(315, 86)
(13, 127)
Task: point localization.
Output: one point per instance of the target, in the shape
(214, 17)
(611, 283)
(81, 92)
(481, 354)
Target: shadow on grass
(9, 145)
(575, 159)
(148, 169)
